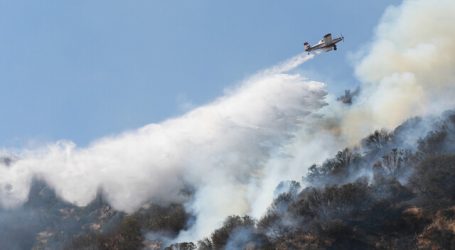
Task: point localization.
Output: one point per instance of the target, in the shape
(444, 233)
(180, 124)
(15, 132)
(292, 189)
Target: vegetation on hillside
(396, 190)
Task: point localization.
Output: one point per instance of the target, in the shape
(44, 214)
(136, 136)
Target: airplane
(326, 44)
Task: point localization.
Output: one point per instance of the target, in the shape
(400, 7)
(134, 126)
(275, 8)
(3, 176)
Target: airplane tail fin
(307, 46)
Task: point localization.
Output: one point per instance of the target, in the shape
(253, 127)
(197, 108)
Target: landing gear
(334, 47)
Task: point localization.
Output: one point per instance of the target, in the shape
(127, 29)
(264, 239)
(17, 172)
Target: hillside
(394, 191)
(385, 194)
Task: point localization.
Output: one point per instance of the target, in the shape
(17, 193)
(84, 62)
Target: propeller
(342, 37)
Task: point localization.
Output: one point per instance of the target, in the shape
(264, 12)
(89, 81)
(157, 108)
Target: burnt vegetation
(131, 231)
(385, 194)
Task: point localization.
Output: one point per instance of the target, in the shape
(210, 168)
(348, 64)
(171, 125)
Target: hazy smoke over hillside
(408, 70)
(234, 151)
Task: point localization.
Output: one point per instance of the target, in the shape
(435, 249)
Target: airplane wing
(318, 46)
(336, 40)
(328, 39)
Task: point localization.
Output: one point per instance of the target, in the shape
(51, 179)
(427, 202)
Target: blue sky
(83, 69)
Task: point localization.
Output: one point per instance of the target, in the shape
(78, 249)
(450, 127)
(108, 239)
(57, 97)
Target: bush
(127, 236)
(435, 177)
(170, 219)
(336, 169)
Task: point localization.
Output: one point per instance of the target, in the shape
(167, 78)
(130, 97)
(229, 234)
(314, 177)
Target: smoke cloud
(215, 149)
(409, 69)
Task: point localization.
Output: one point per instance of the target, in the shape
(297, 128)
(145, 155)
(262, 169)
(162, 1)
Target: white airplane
(326, 44)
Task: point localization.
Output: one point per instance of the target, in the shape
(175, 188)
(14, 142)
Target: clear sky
(80, 70)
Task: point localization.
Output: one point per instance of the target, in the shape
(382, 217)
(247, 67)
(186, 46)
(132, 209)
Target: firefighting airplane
(326, 44)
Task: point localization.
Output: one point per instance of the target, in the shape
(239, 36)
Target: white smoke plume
(409, 69)
(218, 149)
